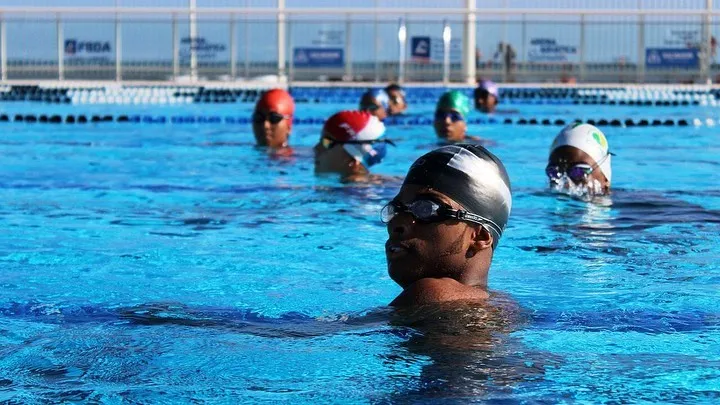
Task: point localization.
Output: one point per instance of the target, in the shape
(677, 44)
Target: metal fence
(658, 45)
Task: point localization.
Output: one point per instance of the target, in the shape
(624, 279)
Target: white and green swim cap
(588, 139)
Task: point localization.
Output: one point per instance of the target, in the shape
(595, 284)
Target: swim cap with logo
(588, 139)
(357, 126)
(470, 175)
(455, 100)
(277, 100)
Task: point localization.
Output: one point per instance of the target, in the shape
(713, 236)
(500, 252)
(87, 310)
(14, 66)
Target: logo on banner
(549, 50)
(420, 48)
(204, 49)
(318, 57)
(76, 47)
(672, 58)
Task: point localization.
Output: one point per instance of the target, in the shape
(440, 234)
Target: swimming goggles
(429, 211)
(273, 117)
(443, 115)
(329, 143)
(577, 172)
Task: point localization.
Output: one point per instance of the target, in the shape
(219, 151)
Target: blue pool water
(169, 263)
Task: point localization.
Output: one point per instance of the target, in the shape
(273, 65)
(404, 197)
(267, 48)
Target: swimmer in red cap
(350, 143)
(272, 119)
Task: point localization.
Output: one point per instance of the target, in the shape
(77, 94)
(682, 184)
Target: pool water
(169, 263)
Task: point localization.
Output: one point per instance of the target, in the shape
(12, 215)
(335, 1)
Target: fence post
(348, 49)
(402, 38)
(291, 61)
(707, 42)
(193, 42)
(470, 43)
(118, 48)
(281, 18)
(233, 48)
(582, 48)
(377, 46)
(640, 78)
(175, 48)
(247, 48)
(3, 48)
(60, 47)
(447, 37)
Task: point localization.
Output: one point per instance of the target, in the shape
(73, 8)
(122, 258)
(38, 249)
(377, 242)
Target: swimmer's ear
(482, 239)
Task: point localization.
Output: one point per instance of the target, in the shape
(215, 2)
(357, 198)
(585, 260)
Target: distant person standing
(507, 52)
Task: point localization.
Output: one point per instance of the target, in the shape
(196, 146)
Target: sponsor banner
(204, 50)
(549, 50)
(426, 49)
(672, 57)
(318, 57)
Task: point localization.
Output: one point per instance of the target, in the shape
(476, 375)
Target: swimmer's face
(268, 130)
(416, 250)
(374, 107)
(336, 160)
(485, 102)
(398, 104)
(565, 157)
(449, 124)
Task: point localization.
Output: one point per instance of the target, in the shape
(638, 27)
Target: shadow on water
(606, 224)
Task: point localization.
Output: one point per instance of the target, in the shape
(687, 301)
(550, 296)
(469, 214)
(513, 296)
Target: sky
(606, 39)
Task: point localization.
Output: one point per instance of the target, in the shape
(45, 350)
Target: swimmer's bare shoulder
(435, 290)
(481, 141)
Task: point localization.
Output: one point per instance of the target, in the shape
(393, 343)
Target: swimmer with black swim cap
(580, 161)
(445, 224)
(272, 119)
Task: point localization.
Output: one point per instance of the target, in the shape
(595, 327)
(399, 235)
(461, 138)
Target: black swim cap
(470, 175)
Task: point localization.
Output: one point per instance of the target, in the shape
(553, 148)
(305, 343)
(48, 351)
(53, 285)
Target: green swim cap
(455, 100)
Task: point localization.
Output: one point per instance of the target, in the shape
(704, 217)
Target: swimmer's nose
(400, 224)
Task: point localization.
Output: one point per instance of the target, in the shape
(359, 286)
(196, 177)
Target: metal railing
(358, 44)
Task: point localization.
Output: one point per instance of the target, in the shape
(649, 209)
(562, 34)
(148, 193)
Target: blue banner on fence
(318, 57)
(420, 48)
(672, 57)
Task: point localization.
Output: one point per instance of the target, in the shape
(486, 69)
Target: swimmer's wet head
(580, 161)
(376, 102)
(487, 96)
(272, 118)
(398, 101)
(450, 113)
(351, 142)
(445, 223)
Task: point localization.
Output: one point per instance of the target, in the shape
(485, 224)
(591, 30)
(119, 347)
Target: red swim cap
(277, 100)
(354, 126)
(357, 126)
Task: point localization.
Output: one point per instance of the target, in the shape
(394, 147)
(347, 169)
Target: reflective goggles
(428, 211)
(443, 115)
(272, 116)
(329, 143)
(577, 172)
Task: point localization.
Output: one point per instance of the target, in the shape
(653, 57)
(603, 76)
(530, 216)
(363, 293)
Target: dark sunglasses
(429, 211)
(443, 115)
(330, 143)
(273, 117)
(577, 172)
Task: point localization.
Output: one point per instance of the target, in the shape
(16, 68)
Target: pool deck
(269, 84)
